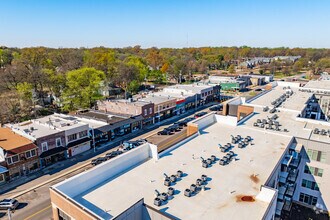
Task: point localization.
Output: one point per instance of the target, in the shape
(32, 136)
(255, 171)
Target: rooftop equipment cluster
(322, 132)
(278, 102)
(196, 187)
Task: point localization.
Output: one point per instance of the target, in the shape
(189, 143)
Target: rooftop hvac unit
(157, 202)
(170, 191)
(187, 192)
(204, 177)
(193, 187)
(199, 182)
(209, 161)
(179, 173)
(167, 182)
(205, 165)
(173, 178)
(222, 162)
(213, 158)
(163, 196)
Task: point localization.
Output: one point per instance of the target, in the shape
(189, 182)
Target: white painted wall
(105, 171)
(205, 120)
(268, 195)
(227, 120)
(80, 148)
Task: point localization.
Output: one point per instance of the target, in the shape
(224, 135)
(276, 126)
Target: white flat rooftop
(226, 185)
(296, 102)
(318, 85)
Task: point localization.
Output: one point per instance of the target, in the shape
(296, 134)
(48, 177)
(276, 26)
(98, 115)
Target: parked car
(188, 119)
(98, 160)
(258, 90)
(9, 204)
(216, 108)
(200, 114)
(113, 154)
(174, 128)
(181, 123)
(164, 132)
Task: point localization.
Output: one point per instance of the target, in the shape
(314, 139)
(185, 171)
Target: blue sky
(165, 23)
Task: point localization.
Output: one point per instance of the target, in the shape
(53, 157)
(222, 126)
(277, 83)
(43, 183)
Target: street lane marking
(38, 212)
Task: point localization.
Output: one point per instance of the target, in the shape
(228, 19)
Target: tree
(125, 75)
(154, 58)
(231, 69)
(82, 88)
(24, 91)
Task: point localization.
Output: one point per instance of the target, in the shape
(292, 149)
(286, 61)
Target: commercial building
(106, 126)
(57, 136)
(50, 141)
(18, 155)
(129, 107)
(284, 167)
(229, 83)
(164, 106)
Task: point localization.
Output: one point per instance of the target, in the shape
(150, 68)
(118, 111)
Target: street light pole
(93, 139)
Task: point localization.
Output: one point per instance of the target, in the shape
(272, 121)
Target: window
(63, 216)
(9, 161)
(72, 137)
(310, 185)
(150, 110)
(316, 155)
(44, 146)
(58, 142)
(145, 112)
(30, 153)
(33, 153)
(313, 170)
(15, 158)
(308, 199)
(83, 134)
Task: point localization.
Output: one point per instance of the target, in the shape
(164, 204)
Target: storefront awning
(3, 169)
(53, 151)
(77, 142)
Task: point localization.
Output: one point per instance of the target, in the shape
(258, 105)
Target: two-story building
(129, 107)
(164, 106)
(50, 141)
(57, 136)
(18, 155)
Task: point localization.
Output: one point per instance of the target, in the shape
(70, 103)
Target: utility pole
(93, 139)
(9, 214)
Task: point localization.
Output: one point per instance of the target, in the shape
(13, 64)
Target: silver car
(9, 204)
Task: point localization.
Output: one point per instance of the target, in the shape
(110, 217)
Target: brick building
(18, 155)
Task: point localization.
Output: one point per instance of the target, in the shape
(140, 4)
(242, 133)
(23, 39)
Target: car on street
(181, 124)
(216, 108)
(113, 154)
(174, 128)
(200, 114)
(98, 160)
(164, 132)
(10, 204)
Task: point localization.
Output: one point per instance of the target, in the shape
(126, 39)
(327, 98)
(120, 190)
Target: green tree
(82, 88)
(231, 69)
(24, 91)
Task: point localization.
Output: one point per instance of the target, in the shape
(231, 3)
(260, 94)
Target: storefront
(180, 107)
(79, 146)
(3, 174)
(52, 156)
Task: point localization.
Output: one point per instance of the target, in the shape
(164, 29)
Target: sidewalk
(32, 180)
